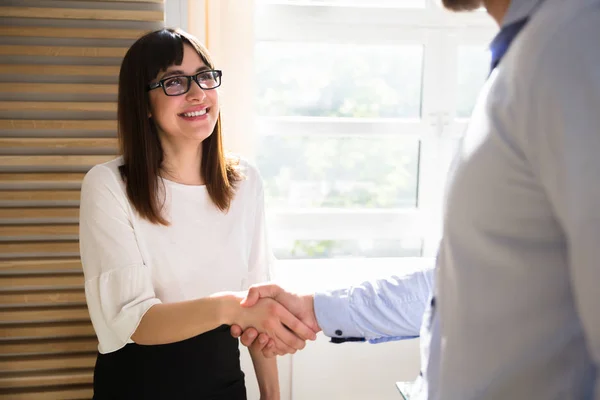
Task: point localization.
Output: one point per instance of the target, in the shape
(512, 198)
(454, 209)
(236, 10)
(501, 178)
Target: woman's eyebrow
(180, 72)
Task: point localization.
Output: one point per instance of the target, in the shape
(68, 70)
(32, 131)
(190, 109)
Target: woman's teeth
(195, 113)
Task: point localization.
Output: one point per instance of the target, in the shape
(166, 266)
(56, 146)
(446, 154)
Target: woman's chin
(199, 136)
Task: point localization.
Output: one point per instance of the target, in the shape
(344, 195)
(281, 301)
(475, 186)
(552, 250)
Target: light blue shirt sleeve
(381, 310)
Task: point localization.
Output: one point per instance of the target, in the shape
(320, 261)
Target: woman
(169, 232)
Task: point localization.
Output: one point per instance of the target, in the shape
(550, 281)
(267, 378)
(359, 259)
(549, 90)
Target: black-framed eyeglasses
(180, 84)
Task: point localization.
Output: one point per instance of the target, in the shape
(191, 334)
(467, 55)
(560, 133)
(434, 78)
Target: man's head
(462, 5)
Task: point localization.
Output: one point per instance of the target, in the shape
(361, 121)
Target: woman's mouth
(194, 114)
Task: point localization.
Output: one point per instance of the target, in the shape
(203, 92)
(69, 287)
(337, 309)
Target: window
(471, 73)
(360, 105)
(358, 3)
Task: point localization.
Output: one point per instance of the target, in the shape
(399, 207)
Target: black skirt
(205, 367)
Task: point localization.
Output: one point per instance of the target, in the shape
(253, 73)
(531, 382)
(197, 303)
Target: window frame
(440, 33)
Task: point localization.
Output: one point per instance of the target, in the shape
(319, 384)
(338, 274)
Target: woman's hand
(301, 307)
(268, 316)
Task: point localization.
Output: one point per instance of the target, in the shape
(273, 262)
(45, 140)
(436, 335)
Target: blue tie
(502, 41)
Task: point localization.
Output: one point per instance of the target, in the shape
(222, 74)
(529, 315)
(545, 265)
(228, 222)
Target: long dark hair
(138, 137)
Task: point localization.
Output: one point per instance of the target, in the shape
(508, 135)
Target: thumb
(258, 292)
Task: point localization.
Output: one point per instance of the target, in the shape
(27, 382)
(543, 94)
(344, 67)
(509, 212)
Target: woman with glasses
(171, 232)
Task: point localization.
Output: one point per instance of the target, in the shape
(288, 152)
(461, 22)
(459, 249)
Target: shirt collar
(520, 9)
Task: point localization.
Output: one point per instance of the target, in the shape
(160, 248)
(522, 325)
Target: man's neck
(497, 9)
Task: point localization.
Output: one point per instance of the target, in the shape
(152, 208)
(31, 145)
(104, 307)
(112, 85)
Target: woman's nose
(195, 92)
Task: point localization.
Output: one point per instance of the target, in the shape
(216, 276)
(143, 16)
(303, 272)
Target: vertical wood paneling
(57, 119)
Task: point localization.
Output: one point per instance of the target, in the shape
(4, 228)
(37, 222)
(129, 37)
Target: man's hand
(300, 306)
(287, 331)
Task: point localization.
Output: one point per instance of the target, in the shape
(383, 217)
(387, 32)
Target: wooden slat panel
(46, 315)
(89, 125)
(54, 298)
(41, 281)
(59, 143)
(8, 248)
(78, 33)
(46, 331)
(61, 51)
(128, 1)
(54, 161)
(41, 177)
(24, 231)
(39, 195)
(49, 379)
(74, 13)
(72, 88)
(15, 215)
(40, 266)
(68, 70)
(75, 345)
(57, 106)
(47, 363)
(47, 343)
(74, 393)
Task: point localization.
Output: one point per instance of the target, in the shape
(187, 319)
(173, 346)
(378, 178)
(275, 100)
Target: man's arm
(387, 308)
(563, 121)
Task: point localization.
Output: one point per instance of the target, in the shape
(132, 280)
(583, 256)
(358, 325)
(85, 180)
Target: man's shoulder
(558, 30)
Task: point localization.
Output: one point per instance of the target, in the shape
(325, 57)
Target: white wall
(176, 12)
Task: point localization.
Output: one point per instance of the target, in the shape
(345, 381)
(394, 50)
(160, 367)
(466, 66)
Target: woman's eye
(177, 81)
(206, 76)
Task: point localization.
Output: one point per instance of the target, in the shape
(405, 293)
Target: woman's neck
(181, 163)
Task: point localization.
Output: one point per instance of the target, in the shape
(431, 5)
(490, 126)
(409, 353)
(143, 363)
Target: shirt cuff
(334, 314)
(390, 339)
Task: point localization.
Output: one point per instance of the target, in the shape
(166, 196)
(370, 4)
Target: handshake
(280, 322)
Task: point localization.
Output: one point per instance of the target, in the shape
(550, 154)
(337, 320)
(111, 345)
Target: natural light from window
(360, 105)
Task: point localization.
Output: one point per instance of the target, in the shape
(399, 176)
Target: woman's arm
(168, 323)
(266, 374)
(173, 322)
(120, 295)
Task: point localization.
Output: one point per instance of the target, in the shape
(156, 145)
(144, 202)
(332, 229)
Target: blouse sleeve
(118, 286)
(261, 260)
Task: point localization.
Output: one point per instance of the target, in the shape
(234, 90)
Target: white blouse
(131, 264)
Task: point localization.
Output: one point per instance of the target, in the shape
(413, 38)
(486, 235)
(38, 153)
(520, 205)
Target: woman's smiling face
(191, 116)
